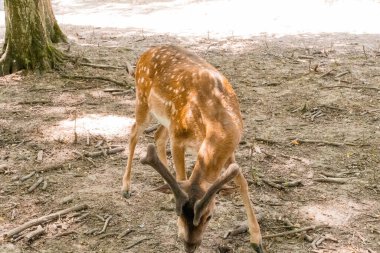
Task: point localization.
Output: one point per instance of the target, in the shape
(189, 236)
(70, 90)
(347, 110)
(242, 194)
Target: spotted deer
(198, 111)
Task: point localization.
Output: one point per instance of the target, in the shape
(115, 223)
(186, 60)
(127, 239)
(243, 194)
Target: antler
(202, 203)
(152, 159)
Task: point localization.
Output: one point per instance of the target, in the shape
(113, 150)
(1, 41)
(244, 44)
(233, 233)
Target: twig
(97, 78)
(137, 243)
(31, 174)
(296, 231)
(45, 184)
(116, 150)
(107, 221)
(100, 217)
(66, 233)
(107, 235)
(292, 183)
(331, 180)
(327, 73)
(314, 242)
(107, 152)
(82, 217)
(51, 167)
(151, 129)
(125, 233)
(351, 87)
(342, 74)
(328, 174)
(270, 183)
(91, 231)
(34, 234)
(305, 57)
(239, 230)
(337, 144)
(266, 140)
(84, 157)
(43, 219)
(100, 66)
(111, 90)
(37, 183)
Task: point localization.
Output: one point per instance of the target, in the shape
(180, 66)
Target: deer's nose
(191, 247)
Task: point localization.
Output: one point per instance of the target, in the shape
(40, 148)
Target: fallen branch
(107, 221)
(42, 220)
(55, 166)
(328, 174)
(342, 74)
(295, 231)
(351, 87)
(66, 233)
(137, 243)
(45, 184)
(111, 90)
(107, 235)
(125, 233)
(270, 183)
(100, 66)
(292, 183)
(266, 140)
(82, 217)
(124, 84)
(327, 73)
(337, 144)
(107, 152)
(36, 184)
(331, 180)
(34, 234)
(239, 230)
(31, 174)
(151, 129)
(243, 228)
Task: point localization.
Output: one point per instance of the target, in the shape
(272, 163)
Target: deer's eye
(208, 218)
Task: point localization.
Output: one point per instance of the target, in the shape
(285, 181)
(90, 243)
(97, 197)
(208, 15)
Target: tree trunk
(31, 30)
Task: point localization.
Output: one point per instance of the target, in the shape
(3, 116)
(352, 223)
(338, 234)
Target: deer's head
(195, 201)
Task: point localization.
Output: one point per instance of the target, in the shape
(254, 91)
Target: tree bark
(31, 30)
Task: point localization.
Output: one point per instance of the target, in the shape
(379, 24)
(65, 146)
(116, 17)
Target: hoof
(257, 248)
(126, 194)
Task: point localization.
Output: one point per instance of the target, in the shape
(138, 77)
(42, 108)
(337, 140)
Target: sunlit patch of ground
(109, 126)
(222, 18)
(334, 213)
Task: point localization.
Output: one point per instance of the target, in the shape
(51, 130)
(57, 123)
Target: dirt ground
(311, 108)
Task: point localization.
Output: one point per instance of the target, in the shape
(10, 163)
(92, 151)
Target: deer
(198, 112)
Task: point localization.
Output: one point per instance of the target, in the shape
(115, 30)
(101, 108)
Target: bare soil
(311, 105)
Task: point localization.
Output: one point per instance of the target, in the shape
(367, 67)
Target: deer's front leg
(254, 228)
(161, 137)
(178, 153)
